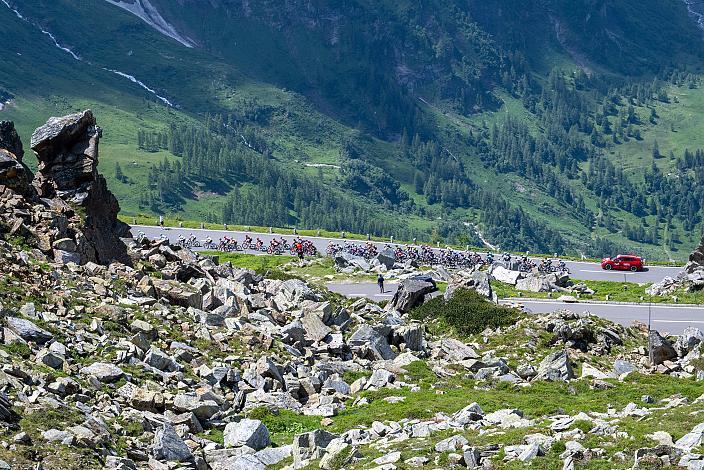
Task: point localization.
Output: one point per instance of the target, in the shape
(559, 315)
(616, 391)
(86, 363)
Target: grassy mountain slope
(383, 94)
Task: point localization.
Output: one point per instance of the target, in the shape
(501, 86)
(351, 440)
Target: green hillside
(535, 121)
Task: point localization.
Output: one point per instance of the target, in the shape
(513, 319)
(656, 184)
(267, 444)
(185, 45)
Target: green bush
(466, 312)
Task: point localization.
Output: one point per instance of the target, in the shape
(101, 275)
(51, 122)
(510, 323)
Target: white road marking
(678, 321)
(588, 304)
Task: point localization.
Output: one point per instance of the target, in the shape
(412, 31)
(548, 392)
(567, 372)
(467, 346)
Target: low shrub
(466, 312)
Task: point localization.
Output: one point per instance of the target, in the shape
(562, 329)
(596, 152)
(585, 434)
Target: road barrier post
(392, 238)
(650, 340)
(225, 226)
(271, 230)
(369, 237)
(295, 232)
(342, 235)
(249, 228)
(134, 220)
(415, 242)
(202, 225)
(437, 244)
(675, 298)
(607, 297)
(318, 233)
(466, 248)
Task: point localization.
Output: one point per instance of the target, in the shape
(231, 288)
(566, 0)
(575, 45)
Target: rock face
(67, 150)
(13, 173)
(10, 140)
(66, 209)
(696, 259)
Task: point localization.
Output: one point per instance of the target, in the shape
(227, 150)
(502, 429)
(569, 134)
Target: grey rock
(380, 378)
(273, 455)
(293, 332)
(471, 457)
(451, 444)
(371, 338)
(688, 340)
(692, 439)
(468, 414)
(169, 446)
(247, 432)
(555, 367)
(103, 371)
(387, 257)
(456, 351)
(623, 367)
(310, 445)
(662, 350)
(156, 358)
(477, 281)
(202, 409)
(410, 294)
(315, 329)
(28, 331)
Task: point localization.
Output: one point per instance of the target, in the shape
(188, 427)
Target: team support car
(623, 263)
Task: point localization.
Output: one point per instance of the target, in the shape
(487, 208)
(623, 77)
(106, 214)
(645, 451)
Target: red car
(623, 263)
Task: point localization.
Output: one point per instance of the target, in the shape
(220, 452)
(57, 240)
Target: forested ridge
(547, 125)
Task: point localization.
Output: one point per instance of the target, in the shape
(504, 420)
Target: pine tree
(119, 176)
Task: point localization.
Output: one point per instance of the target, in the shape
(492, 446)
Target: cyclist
(299, 249)
(247, 241)
(181, 240)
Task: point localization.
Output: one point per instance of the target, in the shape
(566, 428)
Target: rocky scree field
(145, 355)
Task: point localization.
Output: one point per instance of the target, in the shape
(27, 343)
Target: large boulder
(387, 257)
(178, 293)
(247, 432)
(28, 331)
(375, 340)
(346, 260)
(169, 446)
(507, 276)
(411, 293)
(67, 150)
(476, 280)
(310, 446)
(555, 367)
(662, 350)
(103, 371)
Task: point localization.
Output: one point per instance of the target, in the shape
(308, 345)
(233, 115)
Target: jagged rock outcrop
(690, 279)
(696, 259)
(14, 174)
(66, 209)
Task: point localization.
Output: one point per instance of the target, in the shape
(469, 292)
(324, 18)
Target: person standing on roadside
(380, 282)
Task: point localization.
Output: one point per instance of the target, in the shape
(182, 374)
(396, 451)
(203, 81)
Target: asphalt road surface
(664, 317)
(578, 270)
